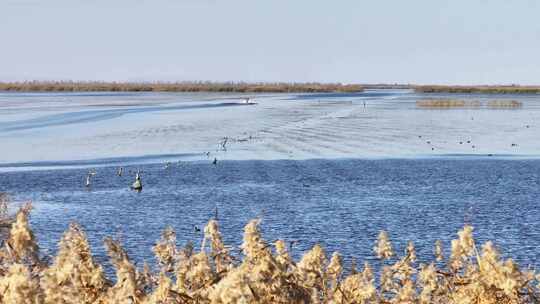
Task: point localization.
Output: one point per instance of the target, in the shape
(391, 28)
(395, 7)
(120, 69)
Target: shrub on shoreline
(265, 273)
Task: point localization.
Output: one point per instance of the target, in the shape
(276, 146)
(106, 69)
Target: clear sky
(428, 41)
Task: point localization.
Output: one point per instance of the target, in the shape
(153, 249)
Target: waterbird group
(461, 142)
(137, 185)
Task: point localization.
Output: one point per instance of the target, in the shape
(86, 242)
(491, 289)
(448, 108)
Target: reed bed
(5, 220)
(496, 104)
(510, 89)
(263, 273)
(457, 103)
(237, 87)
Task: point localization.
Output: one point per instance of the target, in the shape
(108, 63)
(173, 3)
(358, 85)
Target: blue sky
(453, 42)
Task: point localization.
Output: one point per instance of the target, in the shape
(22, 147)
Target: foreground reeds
(457, 103)
(264, 273)
(505, 89)
(237, 87)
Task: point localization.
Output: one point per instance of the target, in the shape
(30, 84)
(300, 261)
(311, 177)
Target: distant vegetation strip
(386, 86)
(236, 87)
(509, 89)
(457, 103)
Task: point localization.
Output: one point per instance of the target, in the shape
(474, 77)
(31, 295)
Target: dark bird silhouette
(197, 229)
(223, 143)
(215, 161)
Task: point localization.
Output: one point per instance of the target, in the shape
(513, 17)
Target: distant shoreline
(256, 87)
(233, 87)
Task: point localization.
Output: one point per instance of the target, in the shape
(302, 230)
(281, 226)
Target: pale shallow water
(315, 167)
(72, 127)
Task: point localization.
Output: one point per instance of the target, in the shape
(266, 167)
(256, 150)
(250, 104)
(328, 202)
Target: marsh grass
(263, 273)
(498, 104)
(237, 87)
(505, 89)
(457, 103)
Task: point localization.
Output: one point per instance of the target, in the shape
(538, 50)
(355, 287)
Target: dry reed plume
(264, 273)
(238, 87)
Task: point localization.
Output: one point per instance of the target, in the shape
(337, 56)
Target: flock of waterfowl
(137, 185)
(222, 146)
(461, 142)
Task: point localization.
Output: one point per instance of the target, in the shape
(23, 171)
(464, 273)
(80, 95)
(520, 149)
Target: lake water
(315, 168)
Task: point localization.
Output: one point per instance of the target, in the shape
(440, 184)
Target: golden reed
(265, 273)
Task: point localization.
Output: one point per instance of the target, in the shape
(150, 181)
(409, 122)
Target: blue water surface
(341, 204)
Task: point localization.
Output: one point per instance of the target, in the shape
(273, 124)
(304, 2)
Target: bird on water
(89, 178)
(88, 182)
(137, 185)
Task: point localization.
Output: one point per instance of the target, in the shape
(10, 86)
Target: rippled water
(341, 204)
(371, 124)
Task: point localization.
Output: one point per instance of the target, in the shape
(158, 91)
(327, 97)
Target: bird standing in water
(89, 178)
(215, 161)
(120, 171)
(88, 183)
(137, 185)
